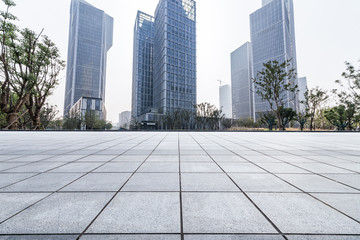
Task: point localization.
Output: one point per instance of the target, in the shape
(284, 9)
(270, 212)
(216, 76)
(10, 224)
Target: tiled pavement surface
(192, 186)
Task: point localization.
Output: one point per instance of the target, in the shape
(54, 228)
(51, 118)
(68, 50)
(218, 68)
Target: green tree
(269, 119)
(302, 119)
(274, 84)
(29, 66)
(286, 116)
(337, 117)
(313, 101)
(72, 122)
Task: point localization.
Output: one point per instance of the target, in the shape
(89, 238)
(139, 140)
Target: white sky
(327, 35)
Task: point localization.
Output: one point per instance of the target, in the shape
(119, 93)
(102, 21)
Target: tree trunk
(12, 118)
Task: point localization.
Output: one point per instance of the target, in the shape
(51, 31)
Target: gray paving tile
(300, 213)
(132, 237)
(240, 168)
(10, 178)
(59, 213)
(207, 182)
(153, 182)
(261, 182)
(228, 159)
(8, 165)
(36, 167)
(349, 179)
(130, 158)
(77, 167)
(39, 237)
(222, 213)
(99, 182)
(163, 158)
(347, 203)
(315, 183)
(97, 158)
(232, 237)
(324, 237)
(160, 167)
(321, 168)
(140, 213)
(281, 168)
(12, 203)
(199, 167)
(124, 167)
(43, 182)
(194, 158)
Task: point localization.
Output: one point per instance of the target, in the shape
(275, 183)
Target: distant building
(241, 82)
(175, 55)
(273, 38)
(302, 84)
(124, 120)
(90, 37)
(142, 86)
(164, 63)
(225, 100)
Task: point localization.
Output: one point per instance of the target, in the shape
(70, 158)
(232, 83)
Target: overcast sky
(327, 35)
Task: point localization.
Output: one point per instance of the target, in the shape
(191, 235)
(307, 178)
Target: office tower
(273, 38)
(241, 82)
(302, 86)
(142, 86)
(90, 37)
(225, 100)
(124, 120)
(175, 55)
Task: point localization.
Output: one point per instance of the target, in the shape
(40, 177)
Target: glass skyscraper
(273, 38)
(241, 82)
(90, 37)
(175, 55)
(142, 86)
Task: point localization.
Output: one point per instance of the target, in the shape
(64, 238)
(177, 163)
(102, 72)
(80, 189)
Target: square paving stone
(199, 182)
(195, 158)
(153, 182)
(321, 168)
(59, 213)
(315, 183)
(140, 213)
(9, 165)
(199, 167)
(36, 167)
(281, 168)
(154, 167)
(97, 158)
(222, 213)
(124, 167)
(77, 167)
(240, 168)
(300, 213)
(46, 182)
(349, 179)
(10, 178)
(98, 182)
(226, 158)
(261, 182)
(132, 237)
(347, 203)
(163, 158)
(232, 237)
(130, 158)
(12, 203)
(324, 237)
(39, 237)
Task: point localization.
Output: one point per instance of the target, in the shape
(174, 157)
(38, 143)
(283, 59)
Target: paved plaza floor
(175, 186)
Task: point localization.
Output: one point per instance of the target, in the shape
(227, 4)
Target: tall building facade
(90, 38)
(142, 85)
(225, 100)
(241, 82)
(273, 38)
(175, 55)
(302, 84)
